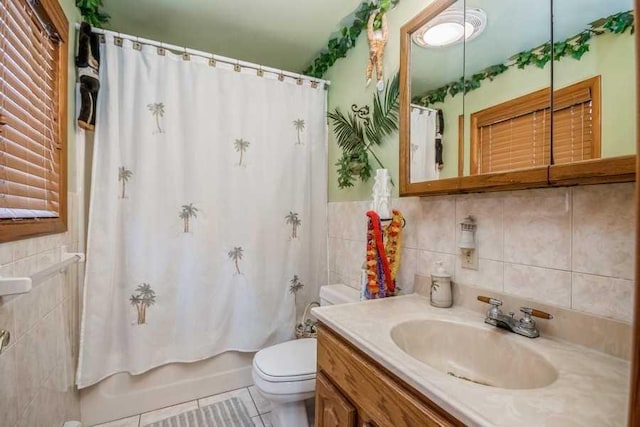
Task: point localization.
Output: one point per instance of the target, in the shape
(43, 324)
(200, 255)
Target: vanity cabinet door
(332, 408)
(382, 401)
(365, 421)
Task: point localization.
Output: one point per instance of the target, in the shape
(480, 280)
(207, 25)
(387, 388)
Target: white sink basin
(474, 354)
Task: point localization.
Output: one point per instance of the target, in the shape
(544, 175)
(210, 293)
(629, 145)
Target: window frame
(12, 229)
(527, 104)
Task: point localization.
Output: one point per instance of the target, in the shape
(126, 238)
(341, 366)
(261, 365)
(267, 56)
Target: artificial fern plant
(358, 132)
(90, 11)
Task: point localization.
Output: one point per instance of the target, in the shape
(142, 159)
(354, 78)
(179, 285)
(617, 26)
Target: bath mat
(228, 413)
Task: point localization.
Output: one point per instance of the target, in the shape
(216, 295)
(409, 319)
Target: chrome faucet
(525, 326)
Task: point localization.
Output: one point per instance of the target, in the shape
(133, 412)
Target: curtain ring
(137, 45)
(237, 66)
(212, 61)
(117, 40)
(185, 55)
(281, 76)
(314, 84)
(161, 51)
(260, 72)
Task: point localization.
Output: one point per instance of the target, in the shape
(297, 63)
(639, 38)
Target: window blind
(29, 126)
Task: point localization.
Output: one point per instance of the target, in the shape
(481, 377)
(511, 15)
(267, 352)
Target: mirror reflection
(483, 105)
(437, 54)
(594, 80)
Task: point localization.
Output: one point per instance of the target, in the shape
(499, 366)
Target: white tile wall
(37, 369)
(570, 247)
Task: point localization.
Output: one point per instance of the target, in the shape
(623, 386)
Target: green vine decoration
(358, 131)
(339, 46)
(90, 11)
(575, 47)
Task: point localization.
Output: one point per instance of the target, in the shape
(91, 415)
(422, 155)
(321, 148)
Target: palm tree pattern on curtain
(296, 285)
(299, 125)
(236, 255)
(295, 222)
(157, 111)
(142, 298)
(123, 176)
(187, 212)
(241, 146)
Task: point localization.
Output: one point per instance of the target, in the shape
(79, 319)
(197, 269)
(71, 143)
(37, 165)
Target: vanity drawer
(373, 390)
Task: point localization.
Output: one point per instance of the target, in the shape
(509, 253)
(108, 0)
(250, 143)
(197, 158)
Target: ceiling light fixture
(451, 27)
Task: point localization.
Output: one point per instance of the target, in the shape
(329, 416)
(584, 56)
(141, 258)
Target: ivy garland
(575, 47)
(339, 46)
(90, 11)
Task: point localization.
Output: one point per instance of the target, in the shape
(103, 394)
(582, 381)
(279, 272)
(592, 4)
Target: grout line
(571, 224)
(255, 405)
(502, 238)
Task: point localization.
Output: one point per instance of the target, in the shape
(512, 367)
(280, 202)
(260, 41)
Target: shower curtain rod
(206, 55)
(420, 107)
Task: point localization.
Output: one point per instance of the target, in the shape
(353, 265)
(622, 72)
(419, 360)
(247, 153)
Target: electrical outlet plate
(469, 259)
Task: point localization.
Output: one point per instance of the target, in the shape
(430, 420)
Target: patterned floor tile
(262, 404)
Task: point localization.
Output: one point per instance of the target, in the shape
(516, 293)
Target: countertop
(592, 388)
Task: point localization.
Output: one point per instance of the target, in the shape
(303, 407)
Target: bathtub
(123, 395)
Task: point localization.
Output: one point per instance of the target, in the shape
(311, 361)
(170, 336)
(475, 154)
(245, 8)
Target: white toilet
(285, 374)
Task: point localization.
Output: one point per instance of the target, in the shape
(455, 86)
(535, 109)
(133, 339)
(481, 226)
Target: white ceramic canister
(441, 287)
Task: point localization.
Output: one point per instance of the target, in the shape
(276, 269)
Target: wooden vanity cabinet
(354, 390)
(332, 408)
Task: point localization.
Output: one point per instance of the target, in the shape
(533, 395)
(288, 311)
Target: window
(33, 124)
(516, 134)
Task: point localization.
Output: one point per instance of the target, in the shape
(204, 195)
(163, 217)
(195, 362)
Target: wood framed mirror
(495, 112)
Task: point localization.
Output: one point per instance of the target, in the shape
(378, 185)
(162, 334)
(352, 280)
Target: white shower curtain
(423, 145)
(207, 219)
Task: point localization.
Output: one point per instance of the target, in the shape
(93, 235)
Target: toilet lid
(289, 361)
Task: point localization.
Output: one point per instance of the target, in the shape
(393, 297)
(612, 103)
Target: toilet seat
(286, 368)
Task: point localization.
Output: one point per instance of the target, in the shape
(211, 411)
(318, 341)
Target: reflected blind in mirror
(516, 134)
(29, 128)
(576, 122)
(511, 135)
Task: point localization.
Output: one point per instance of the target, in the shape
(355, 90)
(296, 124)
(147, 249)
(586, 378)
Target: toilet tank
(338, 294)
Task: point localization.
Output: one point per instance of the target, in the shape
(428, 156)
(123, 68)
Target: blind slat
(12, 175)
(38, 160)
(17, 202)
(14, 137)
(10, 161)
(24, 129)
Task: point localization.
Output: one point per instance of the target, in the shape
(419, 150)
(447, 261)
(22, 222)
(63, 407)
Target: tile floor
(259, 409)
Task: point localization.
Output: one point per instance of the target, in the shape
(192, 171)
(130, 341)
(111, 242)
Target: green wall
(348, 87)
(610, 56)
(73, 16)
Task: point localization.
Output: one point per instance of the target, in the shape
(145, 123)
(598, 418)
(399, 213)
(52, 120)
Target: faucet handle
(492, 301)
(536, 313)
